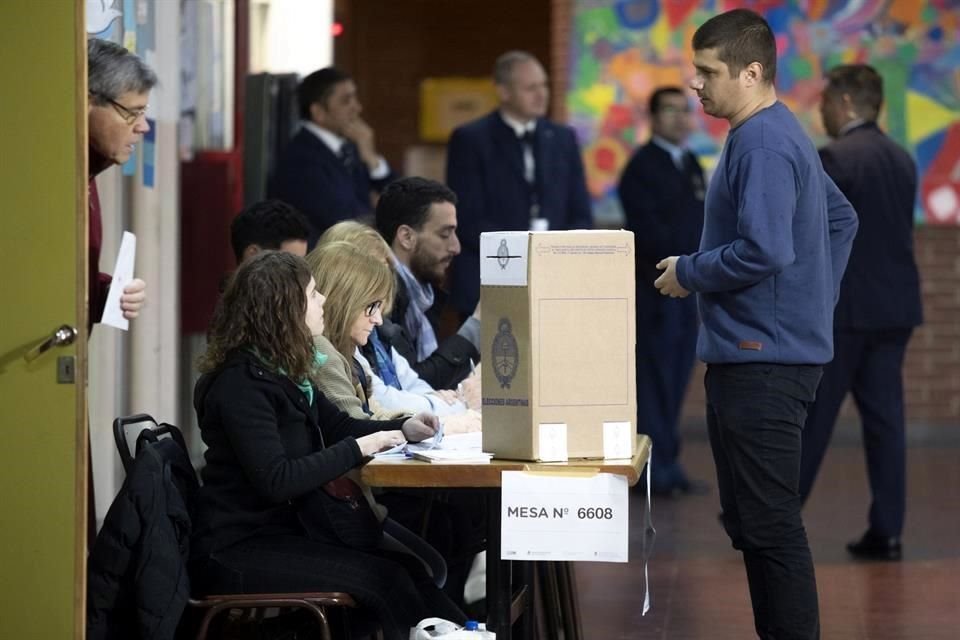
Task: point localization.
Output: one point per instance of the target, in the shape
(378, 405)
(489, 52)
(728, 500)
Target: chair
(209, 607)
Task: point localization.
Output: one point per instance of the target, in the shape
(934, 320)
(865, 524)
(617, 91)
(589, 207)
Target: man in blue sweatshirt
(776, 238)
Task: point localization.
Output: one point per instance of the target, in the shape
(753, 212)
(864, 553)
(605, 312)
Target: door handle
(61, 337)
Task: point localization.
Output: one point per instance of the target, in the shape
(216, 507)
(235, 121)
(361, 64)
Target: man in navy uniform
(662, 191)
(331, 165)
(879, 302)
(513, 170)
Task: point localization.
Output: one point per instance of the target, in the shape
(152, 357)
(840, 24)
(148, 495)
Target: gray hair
(113, 71)
(503, 67)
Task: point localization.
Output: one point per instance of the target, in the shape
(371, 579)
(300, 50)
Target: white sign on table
(564, 516)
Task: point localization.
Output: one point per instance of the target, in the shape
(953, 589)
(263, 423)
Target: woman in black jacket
(273, 442)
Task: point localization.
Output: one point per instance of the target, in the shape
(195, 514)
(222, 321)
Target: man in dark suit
(662, 191)
(879, 302)
(513, 170)
(331, 165)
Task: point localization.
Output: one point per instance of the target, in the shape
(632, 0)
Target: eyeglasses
(372, 308)
(129, 115)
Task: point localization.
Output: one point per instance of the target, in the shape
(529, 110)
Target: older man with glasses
(119, 83)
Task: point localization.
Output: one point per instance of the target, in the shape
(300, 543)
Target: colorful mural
(623, 49)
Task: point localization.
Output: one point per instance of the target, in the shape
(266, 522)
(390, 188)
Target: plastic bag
(440, 629)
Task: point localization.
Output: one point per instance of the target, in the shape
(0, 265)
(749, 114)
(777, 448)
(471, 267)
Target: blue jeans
(755, 415)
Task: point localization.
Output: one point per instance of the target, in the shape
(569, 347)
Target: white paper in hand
(122, 275)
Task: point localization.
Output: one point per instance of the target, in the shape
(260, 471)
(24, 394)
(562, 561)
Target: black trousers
(393, 587)
(755, 415)
(870, 364)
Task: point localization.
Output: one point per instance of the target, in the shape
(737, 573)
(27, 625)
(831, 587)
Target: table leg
(525, 572)
(499, 595)
(501, 583)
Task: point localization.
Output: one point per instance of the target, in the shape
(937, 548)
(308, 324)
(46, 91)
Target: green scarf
(319, 359)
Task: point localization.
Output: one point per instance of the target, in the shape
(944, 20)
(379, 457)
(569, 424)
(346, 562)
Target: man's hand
(470, 390)
(133, 297)
(420, 427)
(667, 283)
(448, 396)
(362, 135)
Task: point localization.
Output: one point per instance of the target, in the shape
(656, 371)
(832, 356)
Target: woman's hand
(420, 427)
(380, 441)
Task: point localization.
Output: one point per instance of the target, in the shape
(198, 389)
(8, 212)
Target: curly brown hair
(264, 309)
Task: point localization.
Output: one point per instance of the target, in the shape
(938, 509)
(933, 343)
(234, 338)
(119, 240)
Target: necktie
(530, 171)
(348, 155)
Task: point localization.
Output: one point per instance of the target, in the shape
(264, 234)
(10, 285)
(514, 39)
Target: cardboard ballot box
(557, 342)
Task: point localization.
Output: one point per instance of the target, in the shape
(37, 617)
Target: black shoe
(681, 488)
(693, 487)
(874, 547)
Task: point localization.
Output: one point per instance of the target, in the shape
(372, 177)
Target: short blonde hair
(351, 279)
(363, 236)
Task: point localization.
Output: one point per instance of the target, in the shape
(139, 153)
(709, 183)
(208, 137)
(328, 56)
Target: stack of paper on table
(460, 447)
(470, 456)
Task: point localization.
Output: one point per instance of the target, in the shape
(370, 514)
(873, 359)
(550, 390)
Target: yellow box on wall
(446, 103)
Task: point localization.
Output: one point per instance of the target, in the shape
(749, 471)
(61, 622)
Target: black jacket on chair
(137, 584)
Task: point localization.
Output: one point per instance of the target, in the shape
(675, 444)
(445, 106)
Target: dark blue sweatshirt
(776, 238)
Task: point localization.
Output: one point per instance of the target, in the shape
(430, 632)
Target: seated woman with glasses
(359, 288)
(277, 447)
(359, 282)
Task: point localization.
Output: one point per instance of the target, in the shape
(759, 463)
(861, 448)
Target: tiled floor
(698, 585)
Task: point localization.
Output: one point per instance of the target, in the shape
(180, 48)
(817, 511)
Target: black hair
(317, 87)
(657, 96)
(407, 201)
(862, 83)
(740, 37)
(267, 224)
